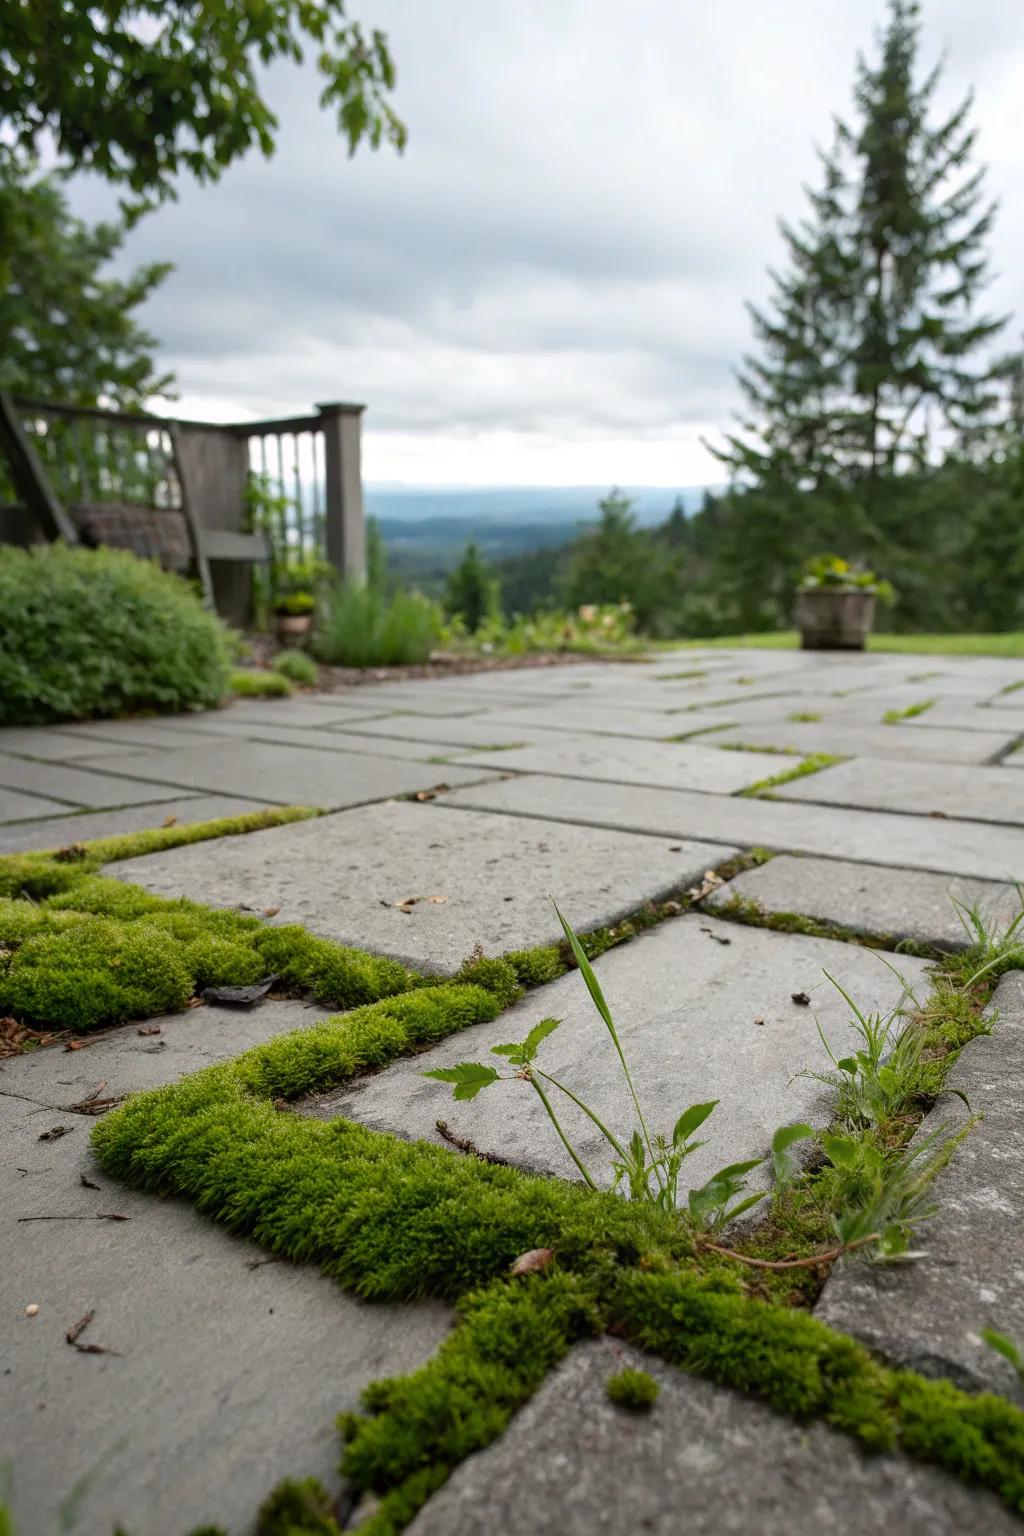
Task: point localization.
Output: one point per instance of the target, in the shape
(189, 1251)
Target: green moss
(93, 973)
(805, 716)
(132, 845)
(895, 716)
(297, 1509)
(249, 683)
(632, 1389)
(813, 763)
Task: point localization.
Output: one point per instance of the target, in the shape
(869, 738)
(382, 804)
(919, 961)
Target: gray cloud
(562, 255)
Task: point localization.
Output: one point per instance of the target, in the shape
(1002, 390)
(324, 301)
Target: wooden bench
(134, 495)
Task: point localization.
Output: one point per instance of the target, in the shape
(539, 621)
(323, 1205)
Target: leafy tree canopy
(138, 90)
(67, 332)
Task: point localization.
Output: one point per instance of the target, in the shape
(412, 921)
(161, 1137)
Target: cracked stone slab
(59, 831)
(16, 805)
(927, 1315)
(927, 789)
(76, 785)
(228, 1366)
(705, 1460)
(127, 1061)
(343, 875)
(912, 842)
(887, 741)
(51, 745)
(668, 765)
(871, 898)
(267, 771)
(704, 1009)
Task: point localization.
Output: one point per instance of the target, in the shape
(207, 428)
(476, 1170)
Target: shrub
(92, 632)
(297, 667)
(255, 684)
(359, 626)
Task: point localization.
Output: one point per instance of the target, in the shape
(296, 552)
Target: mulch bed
(264, 648)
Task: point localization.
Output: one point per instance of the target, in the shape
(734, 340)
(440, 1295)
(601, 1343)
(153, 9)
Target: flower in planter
(831, 573)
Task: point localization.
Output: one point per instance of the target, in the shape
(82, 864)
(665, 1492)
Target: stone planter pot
(293, 629)
(834, 618)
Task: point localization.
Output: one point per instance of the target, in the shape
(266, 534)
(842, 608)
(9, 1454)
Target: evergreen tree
(872, 353)
(472, 590)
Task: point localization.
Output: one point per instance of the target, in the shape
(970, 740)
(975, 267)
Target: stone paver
(913, 842)
(929, 789)
(265, 771)
(52, 745)
(58, 831)
(669, 765)
(15, 805)
(704, 1009)
(442, 735)
(706, 1461)
(229, 1372)
(900, 903)
(75, 785)
(927, 1315)
(342, 876)
(896, 741)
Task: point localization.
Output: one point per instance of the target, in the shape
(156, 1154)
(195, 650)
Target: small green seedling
(632, 1389)
(1007, 1347)
(784, 1165)
(645, 1167)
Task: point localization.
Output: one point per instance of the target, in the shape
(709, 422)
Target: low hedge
(86, 633)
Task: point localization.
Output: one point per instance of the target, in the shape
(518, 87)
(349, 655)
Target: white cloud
(549, 284)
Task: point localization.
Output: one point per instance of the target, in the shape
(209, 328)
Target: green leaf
(735, 1170)
(786, 1135)
(513, 1051)
(469, 1077)
(690, 1120)
(745, 1205)
(1004, 1346)
(537, 1034)
(586, 971)
(848, 1064)
(842, 1151)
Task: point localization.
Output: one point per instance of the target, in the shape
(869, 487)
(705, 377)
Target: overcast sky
(548, 286)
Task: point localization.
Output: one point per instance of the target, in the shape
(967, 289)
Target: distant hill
(513, 504)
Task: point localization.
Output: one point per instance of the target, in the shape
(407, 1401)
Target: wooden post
(345, 522)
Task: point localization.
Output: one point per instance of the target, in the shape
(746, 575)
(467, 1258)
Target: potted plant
(294, 600)
(835, 604)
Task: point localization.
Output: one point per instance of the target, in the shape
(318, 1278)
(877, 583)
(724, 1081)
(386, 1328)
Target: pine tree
(472, 592)
(872, 354)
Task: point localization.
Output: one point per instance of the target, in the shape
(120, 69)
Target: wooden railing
(304, 471)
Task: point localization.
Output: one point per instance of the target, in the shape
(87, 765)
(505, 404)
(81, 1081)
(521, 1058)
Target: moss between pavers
(397, 1220)
(393, 1220)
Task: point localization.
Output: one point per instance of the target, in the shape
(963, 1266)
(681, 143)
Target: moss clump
(298, 667)
(297, 1509)
(498, 976)
(95, 972)
(251, 683)
(632, 1389)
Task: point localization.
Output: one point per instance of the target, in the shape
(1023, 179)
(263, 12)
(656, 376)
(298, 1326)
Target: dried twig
(811, 1262)
(86, 1216)
(74, 1332)
(465, 1145)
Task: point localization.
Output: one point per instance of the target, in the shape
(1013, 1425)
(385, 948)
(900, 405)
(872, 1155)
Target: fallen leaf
(148, 1029)
(676, 848)
(72, 854)
(87, 1183)
(437, 901)
(240, 997)
(55, 1134)
(529, 1263)
(76, 1045)
(802, 999)
(759, 1021)
(271, 911)
(194, 1002)
(170, 821)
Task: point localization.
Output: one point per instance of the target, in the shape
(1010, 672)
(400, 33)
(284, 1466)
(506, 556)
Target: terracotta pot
(834, 619)
(293, 628)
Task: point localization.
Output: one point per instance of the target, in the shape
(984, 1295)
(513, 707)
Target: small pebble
(32, 1309)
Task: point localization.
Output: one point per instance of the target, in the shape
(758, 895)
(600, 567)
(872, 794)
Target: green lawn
(1009, 644)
